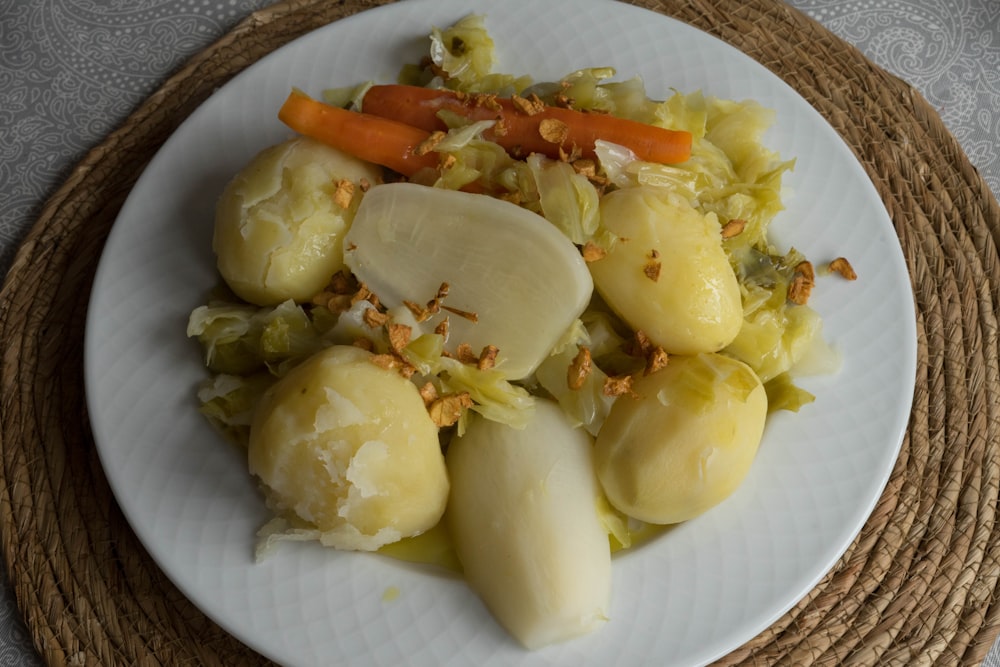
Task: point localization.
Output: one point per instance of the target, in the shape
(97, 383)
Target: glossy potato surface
(685, 442)
(668, 274)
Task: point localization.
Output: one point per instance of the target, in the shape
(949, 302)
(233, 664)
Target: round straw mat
(918, 585)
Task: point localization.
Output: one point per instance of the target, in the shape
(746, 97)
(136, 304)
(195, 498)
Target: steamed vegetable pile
(523, 321)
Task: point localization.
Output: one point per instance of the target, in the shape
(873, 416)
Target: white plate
(695, 594)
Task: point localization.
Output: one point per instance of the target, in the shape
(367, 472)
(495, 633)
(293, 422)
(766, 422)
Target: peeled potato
(686, 441)
(523, 518)
(278, 230)
(524, 281)
(668, 274)
(348, 447)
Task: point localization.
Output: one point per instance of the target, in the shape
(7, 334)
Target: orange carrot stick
(383, 141)
(523, 128)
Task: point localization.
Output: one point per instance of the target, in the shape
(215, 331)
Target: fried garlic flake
(374, 318)
(585, 167)
(553, 131)
(618, 386)
(335, 303)
(344, 194)
(733, 228)
(639, 345)
(467, 314)
(430, 143)
(447, 410)
(844, 268)
(423, 313)
(429, 393)
(802, 283)
(487, 101)
(465, 354)
(442, 328)
(593, 252)
(656, 359)
(579, 369)
(394, 362)
(399, 336)
(528, 105)
(365, 294)
(487, 358)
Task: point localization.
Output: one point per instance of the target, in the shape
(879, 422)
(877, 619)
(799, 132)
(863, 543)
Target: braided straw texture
(917, 586)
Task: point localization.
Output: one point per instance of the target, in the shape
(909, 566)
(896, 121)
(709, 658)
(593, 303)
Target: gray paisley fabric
(949, 50)
(72, 70)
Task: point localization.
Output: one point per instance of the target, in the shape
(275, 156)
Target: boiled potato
(523, 517)
(685, 442)
(668, 274)
(348, 447)
(522, 279)
(278, 230)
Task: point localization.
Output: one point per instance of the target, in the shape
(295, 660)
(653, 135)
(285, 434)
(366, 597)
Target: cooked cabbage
(585, 402)
(566, 198)
(464, 53)
(495, 398)
(241, 339)
(229, 401)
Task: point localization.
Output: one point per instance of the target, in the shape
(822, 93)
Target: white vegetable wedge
(523, 516)
(523, 279)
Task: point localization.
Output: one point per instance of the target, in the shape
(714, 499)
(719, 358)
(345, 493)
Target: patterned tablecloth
(72, 70)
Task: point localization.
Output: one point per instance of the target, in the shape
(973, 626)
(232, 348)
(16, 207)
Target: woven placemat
(918, 585)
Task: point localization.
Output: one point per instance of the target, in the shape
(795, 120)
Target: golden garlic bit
(592, 252)
(802, 283)
(447, 410)
(844, 268)
(640, 346)
(653, 265)
(343, 195)
(579, 369)
(733, 228)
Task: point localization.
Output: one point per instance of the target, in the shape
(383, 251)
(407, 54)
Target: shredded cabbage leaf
(240, 339)
(495, 397)
(228, 402)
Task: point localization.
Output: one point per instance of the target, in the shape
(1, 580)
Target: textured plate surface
(691, 596)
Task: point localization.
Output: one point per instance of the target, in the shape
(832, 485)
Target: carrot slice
(385, 142)
(523, 128)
